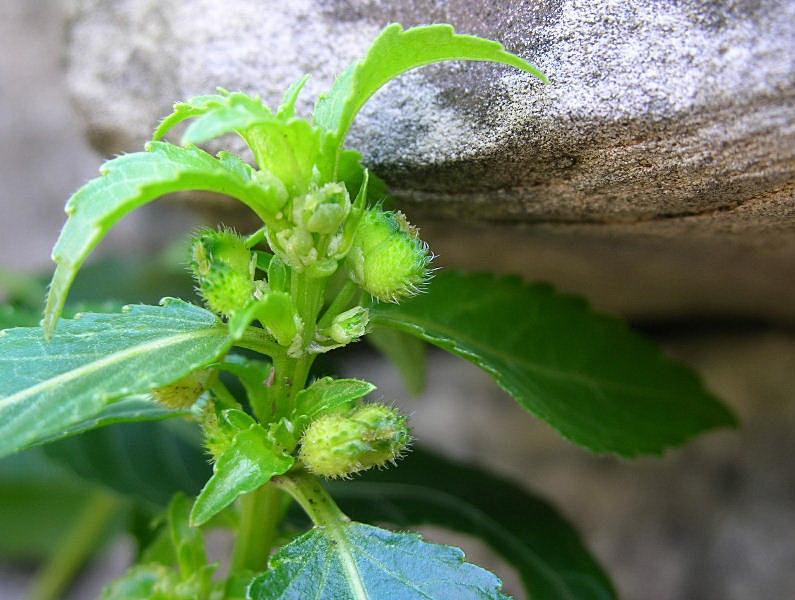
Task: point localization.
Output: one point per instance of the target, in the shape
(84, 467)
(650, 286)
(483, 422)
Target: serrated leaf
(529, 534)
(47, 388)
(149, 462)
(589, 376)
(353, 561)
(406, 352)
(219, 114)
(394, 52)
(251, 460)
(132, 180)
(328, 394)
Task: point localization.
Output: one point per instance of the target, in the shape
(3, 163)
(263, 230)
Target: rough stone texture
(667, 137)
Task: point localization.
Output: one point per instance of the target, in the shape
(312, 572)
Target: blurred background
(679, 216)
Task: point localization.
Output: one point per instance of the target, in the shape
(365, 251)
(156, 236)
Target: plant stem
(256, 339)
(75, 547)
(261, 512)
(339, 304)
(307, 490)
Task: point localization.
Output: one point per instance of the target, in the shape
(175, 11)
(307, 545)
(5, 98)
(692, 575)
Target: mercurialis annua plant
(331, 261)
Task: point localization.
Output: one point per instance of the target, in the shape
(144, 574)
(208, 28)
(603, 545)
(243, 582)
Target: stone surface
(664, 147)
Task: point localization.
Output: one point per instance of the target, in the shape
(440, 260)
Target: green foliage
(589, 376)
(353, 561)
(309, 279)
(93, 360)
(394, 52)
(526, 531)
(131, 181)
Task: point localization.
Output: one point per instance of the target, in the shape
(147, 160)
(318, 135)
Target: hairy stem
(307, 490)
(340, 303)
(261, 512)
(75, 547)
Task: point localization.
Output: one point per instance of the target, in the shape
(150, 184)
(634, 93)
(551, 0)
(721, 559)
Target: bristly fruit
(337, 446)
(388, 259)
(224, 270)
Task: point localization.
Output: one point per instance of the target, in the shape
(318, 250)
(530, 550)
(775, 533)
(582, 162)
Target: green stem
(261, 512)
(71, 553)
(339, 304)
(256, 339)
(255, 238)
(223, 395)
(307, 490)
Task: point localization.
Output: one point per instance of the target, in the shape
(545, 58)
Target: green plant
(328, 266)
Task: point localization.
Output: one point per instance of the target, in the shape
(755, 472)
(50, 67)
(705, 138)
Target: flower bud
(183, 393)
(346, 327)
(224, 270)
(388, 259)
(336, 445)
(323, 210)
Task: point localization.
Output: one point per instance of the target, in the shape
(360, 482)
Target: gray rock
(667, 134)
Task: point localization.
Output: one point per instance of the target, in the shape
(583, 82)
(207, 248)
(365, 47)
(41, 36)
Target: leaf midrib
(460, 341)
(108, 360)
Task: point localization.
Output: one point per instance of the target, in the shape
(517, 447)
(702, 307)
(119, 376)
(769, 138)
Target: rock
(667, 134)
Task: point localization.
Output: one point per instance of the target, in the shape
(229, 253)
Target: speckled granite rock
(668, 133)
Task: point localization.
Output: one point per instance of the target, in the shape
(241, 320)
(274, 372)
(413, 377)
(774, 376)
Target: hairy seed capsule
(224, 270)
(388, 259)
(336, 445)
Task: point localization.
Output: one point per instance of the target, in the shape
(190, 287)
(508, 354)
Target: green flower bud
(224, 270)
(336, 445)
(388, 259)
(346, 327)
(322, 210)
(183, 393)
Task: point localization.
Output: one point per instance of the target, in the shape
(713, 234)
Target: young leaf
(47, 388)
(394, 52)
(526, 531)
(226, 112)
(132, 180)
(327, 394)
(251, 460)
(406, 352)
(589, 376)
(353, 561)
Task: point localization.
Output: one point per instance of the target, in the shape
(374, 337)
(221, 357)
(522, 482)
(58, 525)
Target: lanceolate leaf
(353, 561)
(251, 460)
(327, 395)
(132, 180)
(47, 388)
(589, 376)
(394, 52)
(528, 533)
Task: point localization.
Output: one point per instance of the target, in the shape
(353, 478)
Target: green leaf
(406, 352)
(252, 373)
(528, 533)
(327, 395)
(251, 460)
(589, 376)
(353, 561)
(47, 388)
(143, 582)
(132, 180)
(394, 52)
(188, 541)
(149, 462)
(133, 409)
